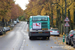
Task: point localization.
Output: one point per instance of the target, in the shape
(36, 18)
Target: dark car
(73, 39)
(1, 31)
(68, 38)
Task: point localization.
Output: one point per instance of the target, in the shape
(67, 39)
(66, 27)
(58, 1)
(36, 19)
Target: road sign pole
(67, 25)
(63, 37)
(66, 31)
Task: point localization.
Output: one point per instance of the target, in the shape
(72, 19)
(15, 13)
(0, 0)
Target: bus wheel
(47, 38)
(30, 38)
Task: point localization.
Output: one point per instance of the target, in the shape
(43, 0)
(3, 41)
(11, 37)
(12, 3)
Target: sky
(22, 3)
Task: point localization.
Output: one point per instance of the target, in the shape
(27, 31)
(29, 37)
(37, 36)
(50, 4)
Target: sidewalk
(63, 44)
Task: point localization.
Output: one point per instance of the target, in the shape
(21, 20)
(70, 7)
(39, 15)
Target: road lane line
(22, 45)
(25, 34)
(23, 30)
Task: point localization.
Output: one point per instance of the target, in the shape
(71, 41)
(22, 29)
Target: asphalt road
(18, 39)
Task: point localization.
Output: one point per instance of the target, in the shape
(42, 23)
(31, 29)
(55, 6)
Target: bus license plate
(44, 28)
(40, 32)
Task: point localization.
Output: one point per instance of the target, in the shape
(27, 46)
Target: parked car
(1, 32)
(69, 36)
(54, 31)
(15, 22)
(12, 25)
(73, 39)
(8, 28)
(4, 29)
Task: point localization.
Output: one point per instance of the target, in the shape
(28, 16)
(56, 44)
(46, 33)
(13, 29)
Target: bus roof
(38, 16)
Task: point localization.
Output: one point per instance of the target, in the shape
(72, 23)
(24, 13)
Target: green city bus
(39, 26)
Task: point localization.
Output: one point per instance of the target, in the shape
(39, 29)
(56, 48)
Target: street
(17, 39)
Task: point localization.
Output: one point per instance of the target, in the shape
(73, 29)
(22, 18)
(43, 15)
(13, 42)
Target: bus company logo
(37, 24)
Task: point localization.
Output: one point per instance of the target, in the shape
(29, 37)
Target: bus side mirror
(27, 22)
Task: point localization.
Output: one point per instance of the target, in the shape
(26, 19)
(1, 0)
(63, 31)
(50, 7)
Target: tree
(9, 10)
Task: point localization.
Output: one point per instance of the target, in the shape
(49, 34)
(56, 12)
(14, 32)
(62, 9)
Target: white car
(15, 22)
(5, 28)
(54, 31)
(12, 25)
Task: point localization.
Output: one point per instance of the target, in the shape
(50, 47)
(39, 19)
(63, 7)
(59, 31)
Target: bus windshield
(40, 18)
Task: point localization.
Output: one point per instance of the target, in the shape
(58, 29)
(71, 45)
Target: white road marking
(22, 45)
(24, 31)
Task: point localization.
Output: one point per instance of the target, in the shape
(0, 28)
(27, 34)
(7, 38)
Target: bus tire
(47, 38)
(30, 38)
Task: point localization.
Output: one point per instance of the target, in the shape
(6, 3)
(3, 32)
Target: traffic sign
(67, 19)
(67, 24)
